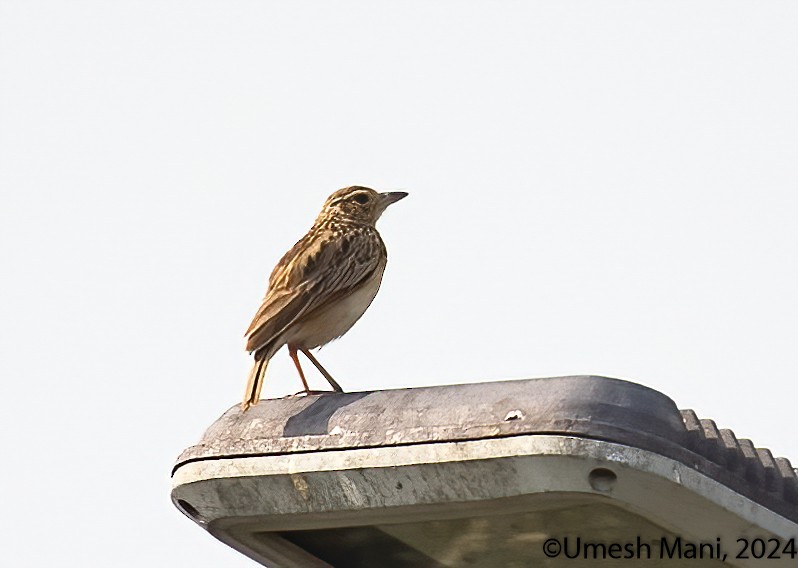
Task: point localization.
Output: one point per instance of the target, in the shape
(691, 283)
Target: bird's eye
(362, 198)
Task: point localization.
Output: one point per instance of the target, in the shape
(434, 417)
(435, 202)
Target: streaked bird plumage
(322, 286)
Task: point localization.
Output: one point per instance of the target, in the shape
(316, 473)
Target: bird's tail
(255, 383)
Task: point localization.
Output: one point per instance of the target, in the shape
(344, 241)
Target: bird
(321, 286)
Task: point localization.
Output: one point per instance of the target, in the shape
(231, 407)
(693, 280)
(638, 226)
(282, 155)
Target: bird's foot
(310, 392)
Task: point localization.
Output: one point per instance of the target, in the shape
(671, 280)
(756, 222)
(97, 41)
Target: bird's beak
(391, 197)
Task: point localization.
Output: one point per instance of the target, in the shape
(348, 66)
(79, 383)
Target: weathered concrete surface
(590, 406)
(469, 475)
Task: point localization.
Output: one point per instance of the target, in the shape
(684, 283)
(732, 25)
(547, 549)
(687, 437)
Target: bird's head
(359, 204)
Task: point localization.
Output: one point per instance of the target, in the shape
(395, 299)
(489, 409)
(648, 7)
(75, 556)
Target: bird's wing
(316, 271)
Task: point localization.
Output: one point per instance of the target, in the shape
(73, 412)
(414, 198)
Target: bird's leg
(336, 387)
(292, 353)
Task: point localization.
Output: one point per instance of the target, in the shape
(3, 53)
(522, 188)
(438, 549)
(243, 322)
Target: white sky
(595, 187)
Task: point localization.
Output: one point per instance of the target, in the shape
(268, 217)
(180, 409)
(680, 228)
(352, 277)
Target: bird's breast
(335, 319)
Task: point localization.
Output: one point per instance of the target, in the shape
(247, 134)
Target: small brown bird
(322, 286)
